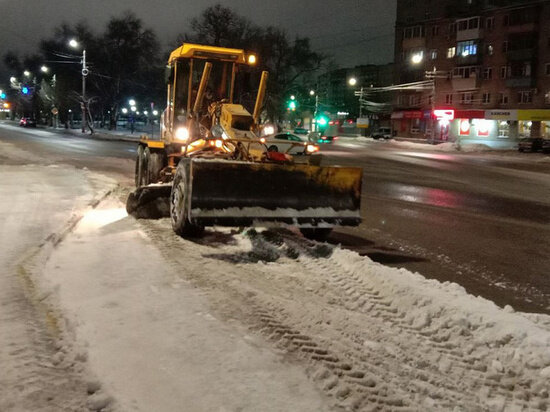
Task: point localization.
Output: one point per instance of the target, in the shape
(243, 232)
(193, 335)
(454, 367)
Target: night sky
(353, 31)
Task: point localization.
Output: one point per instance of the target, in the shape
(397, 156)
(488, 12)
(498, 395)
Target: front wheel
(179, 206)
(272, 148)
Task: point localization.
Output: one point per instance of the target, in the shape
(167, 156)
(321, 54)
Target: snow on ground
(227, 322)
(152, 337)
(441, 147)
(36, 201)
(259, 320)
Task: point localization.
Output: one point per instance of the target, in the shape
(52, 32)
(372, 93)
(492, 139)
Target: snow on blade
(257, 212)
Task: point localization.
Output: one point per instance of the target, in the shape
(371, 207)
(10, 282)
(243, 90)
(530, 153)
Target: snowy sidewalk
(150, 335)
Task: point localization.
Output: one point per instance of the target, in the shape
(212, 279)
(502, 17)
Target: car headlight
(268, 130)
(182, 134)
(310, 148)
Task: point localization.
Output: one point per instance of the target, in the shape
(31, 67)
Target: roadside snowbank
(444, 147)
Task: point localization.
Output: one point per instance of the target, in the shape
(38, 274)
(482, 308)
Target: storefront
(482, 126)
(410, 123)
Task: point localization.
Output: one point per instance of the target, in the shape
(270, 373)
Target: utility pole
(84, 108)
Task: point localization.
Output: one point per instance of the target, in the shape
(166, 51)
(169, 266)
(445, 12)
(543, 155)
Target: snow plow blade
(231, 193)
(149, 202)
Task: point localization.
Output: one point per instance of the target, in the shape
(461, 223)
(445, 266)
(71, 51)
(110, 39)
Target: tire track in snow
(362, 348)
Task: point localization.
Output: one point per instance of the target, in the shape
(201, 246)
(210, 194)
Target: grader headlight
(182, 134)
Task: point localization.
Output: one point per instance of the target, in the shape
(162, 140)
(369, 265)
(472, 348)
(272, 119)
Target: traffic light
(291, 105)
(322, 121)
(25, 90)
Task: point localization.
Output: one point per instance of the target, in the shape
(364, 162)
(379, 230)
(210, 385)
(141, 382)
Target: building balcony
(471, 83)
(470, 34)
(414, 43)
(522, 54)
(520, 82)
(470, 60)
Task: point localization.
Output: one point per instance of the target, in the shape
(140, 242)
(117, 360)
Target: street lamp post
(84, 74)
(85, 71)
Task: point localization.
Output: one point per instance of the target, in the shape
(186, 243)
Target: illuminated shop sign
(464, 127)
(444, 114)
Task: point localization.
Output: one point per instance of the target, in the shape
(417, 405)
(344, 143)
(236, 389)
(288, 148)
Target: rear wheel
(179, 206)
(154, 165)
(141, 167)
(319, 233)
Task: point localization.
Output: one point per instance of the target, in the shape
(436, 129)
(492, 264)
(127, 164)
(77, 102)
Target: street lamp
(44, 69)
(73, 43)
(352, 81)
(27, 73)
(132, 102)
(417, 58)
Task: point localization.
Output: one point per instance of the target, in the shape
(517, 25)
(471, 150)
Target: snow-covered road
(259, 320)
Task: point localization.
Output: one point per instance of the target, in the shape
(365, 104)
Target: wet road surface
(481, 220)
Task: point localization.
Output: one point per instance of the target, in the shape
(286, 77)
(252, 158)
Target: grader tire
(154, 165)
(141, 168)
(179, 206)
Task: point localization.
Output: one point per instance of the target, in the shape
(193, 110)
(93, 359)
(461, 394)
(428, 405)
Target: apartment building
(475, 70)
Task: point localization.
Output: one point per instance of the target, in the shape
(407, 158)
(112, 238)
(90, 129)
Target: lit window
(451, 52)
(433, 54)
(467, 48)
(490, 49)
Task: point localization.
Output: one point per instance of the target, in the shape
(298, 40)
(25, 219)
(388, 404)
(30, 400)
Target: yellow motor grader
(211, 167)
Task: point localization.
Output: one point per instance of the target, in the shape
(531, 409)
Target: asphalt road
(480, 220)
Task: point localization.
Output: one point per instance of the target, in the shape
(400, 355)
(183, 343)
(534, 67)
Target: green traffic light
(322, 121)
(292, 105)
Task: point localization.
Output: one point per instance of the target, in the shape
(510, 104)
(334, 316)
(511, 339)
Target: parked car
(27, 122)
(382, 133)
(290, 143)
(534, 144)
